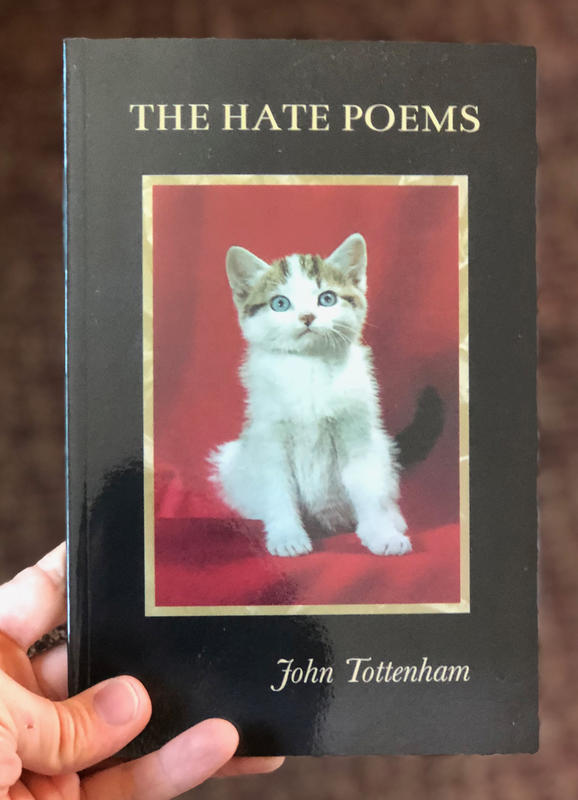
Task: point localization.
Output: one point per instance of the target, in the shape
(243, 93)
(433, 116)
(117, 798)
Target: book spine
(74, 207)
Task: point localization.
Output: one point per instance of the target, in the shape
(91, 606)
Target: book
(301, 408)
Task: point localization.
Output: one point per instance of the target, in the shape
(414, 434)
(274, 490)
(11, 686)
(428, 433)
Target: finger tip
(222, 732)
(144, 709)
(272, 763)
(251, 765)
(199, 752)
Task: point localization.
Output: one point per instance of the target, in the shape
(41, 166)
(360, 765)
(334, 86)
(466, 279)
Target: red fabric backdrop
(204, 556)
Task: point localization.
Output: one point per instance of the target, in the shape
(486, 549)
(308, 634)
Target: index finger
(33, 602)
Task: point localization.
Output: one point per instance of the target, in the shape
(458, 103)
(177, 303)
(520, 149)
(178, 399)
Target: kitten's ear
(243, 270)
(350, 258)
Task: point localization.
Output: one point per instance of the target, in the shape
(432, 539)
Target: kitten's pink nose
(307, 318)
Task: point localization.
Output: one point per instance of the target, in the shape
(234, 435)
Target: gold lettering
(199, 121)
(286, 662)
(369, 117)
(425, 670)
(409, 114)
(470, 117)
(229, 116)
(448, 118)
(352, 113)
(266, 115)
(319, 114)
(163, 117)
(397, 673)
(357, 664)
(294, 108)
(325, 674)
(142, 109)
(457, 670)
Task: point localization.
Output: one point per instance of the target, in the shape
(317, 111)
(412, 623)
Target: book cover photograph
(293, 356)
(301, 420)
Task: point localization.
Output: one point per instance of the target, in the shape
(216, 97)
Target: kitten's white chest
(308, 404)
(305, 390)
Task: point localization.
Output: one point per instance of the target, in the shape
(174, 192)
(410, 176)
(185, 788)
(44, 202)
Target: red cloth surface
(223, 564)
(204, 555)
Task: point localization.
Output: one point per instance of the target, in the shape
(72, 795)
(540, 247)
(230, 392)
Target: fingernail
(116, 703)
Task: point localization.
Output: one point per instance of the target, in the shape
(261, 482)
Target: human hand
(46, 740)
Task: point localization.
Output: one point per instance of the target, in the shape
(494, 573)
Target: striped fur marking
(313, 267)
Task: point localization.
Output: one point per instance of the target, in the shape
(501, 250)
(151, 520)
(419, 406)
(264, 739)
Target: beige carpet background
(31, 332)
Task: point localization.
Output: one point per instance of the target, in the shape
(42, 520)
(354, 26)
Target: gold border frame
(148, 181)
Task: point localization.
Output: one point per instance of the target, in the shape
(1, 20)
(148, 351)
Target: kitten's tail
(415, 442)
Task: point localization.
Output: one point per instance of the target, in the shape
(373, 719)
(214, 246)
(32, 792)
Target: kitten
(313, 452)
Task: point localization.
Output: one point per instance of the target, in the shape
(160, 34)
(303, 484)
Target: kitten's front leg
(284, 533)
(286, 538)
(276, 502)
(383, 532)
(371, 482)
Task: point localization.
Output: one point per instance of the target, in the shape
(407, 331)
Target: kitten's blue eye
(327, 298)
(280, 303)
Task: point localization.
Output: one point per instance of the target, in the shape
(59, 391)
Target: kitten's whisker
(340, 336)
(344, 325)
(341, 331)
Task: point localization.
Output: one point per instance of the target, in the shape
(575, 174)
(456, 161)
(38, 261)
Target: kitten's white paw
(385, 534)
(288, 542)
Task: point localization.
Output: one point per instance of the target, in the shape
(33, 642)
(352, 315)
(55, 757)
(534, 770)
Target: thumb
(67, 736)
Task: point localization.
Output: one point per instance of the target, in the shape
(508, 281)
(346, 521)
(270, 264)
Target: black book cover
(301, 416)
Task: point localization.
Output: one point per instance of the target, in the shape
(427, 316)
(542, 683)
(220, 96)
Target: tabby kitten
(313, 453)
